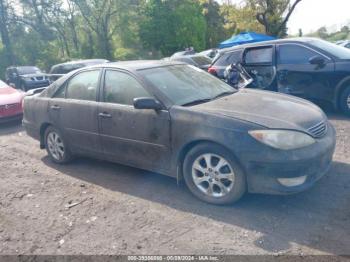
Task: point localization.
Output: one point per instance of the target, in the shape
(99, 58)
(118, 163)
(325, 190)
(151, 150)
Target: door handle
(105, 115)
(55, 107)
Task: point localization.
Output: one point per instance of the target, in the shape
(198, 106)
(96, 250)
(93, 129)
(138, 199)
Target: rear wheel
(212, 174)
(56, 146)
(345, 101)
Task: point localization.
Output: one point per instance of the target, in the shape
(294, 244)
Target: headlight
(282, 139)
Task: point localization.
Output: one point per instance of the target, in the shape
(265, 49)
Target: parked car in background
(200, 61)
(345, 43)
(174, 119)
(61, 69)
(183, 53)
(10, 103)
(26, 77)
(211, 53)
(310, 68)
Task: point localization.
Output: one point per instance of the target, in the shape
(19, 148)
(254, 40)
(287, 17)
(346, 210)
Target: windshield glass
(184, 84)
(26, 70)
(3, 85)
(336, 50)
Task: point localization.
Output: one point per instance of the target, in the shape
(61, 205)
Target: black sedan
(309, 68)
(178, 120)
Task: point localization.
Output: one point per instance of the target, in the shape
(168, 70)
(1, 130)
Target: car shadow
(318, 218)
(11, 128)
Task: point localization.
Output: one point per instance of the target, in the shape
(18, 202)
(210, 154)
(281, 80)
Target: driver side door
(136, 137)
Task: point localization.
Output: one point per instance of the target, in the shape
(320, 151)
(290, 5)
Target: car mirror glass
(147, 103)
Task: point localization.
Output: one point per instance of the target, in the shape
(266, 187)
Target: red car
(10, 103)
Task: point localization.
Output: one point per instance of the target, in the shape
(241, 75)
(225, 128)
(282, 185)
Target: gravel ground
(94, 207)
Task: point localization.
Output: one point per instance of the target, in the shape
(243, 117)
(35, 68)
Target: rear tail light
(212, 70)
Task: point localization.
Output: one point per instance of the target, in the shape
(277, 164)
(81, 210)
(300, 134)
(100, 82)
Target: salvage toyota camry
(180, 121)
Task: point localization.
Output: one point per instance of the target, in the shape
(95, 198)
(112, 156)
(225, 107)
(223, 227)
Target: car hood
(267, 109)
(9, 95)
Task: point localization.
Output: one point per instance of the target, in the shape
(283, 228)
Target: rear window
(229, 58)
(201, 60)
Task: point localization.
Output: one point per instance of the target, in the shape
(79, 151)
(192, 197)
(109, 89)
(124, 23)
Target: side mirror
(317, 60)
(147, 103)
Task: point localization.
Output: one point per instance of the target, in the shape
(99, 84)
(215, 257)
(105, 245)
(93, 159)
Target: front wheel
(56, 146)
(213, 175)
(345, 101)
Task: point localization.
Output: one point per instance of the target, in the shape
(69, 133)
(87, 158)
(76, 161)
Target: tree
(274, 14)
(171, 25)
(5, 12)
(214, 23)
(99, 17)
(239, 18)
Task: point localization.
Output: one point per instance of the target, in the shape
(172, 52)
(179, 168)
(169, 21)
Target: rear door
(260, 64)
(296, 76)
(140, 138)
(73, 109)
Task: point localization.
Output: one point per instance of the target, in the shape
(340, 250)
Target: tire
(56, 146)
(345, 101)
(214, 184)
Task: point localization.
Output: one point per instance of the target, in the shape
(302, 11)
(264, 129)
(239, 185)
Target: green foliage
(170, 25)
(46, 32)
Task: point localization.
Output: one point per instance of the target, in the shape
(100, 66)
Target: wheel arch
(339, 90)
(43, 128)
(187, 147)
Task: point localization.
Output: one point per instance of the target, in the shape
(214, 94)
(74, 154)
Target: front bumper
(313, 162)
(11, 118)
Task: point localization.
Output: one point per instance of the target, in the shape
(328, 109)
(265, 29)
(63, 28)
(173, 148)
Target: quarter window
(121, 88)
(294, 54)
(83, 86)
(259, 56)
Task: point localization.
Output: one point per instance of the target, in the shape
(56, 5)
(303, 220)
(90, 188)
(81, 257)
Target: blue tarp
(245, 38)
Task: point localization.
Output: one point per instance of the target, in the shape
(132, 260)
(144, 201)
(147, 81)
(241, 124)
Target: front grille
(319, 130)
(10, 107)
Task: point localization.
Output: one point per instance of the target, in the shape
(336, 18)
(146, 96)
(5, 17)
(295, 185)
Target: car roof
(83, 61)
(139, 64)
(271, 42)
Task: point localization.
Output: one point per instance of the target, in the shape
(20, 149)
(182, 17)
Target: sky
(310, 15)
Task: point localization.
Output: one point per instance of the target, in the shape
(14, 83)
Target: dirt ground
(94, 207)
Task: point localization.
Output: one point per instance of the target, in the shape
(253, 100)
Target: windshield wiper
(223, 94)
(196, 102)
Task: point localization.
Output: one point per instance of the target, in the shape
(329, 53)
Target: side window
(61, 92)
(229, 58)
(83, 86)
(259, 55)
(121, 88)
(294, 54)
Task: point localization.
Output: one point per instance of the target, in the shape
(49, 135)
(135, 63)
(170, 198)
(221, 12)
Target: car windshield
(26, 70)
(186, 84)
(3, 85)
(336, 50)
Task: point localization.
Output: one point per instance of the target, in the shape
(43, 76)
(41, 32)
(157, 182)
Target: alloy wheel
(55, 146)
(213, 175)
